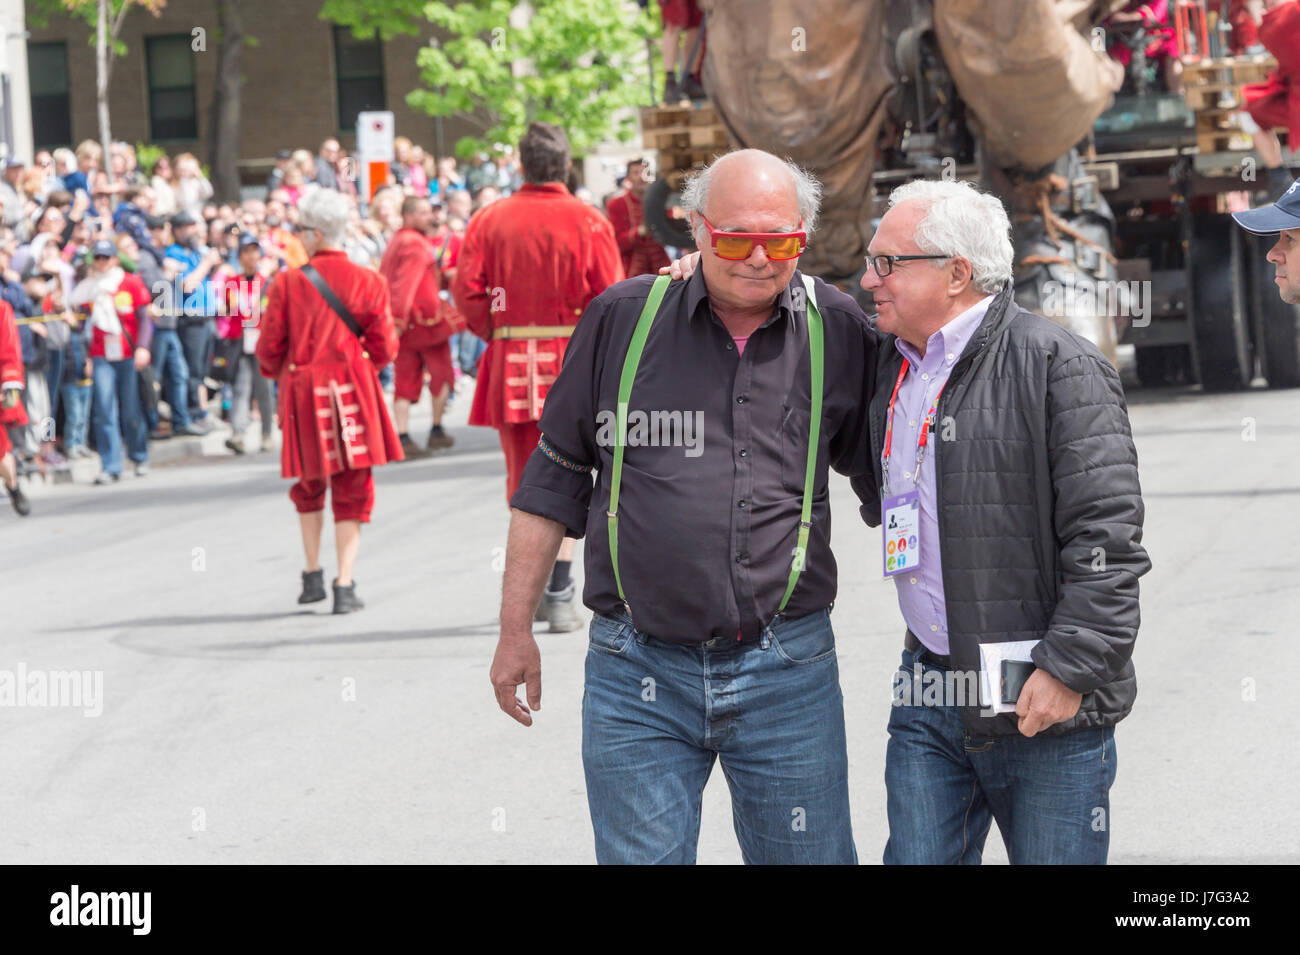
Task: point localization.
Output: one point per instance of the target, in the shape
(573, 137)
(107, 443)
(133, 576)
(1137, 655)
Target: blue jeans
(76, 414)
(655, 715)
(1049, 794)
(173, 374)
(117, 414)
(198, 340)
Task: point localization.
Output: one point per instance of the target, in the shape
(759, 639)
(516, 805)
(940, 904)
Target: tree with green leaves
(106, 18)
(504, 64)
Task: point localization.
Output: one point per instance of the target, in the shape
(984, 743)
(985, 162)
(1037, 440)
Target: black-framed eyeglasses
(884, 264)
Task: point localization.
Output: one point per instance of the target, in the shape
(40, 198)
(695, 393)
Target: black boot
(672, 92)
(313, 587)
(345, 598)
(19, 500)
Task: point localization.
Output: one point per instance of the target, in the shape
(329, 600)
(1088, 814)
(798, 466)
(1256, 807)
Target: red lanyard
(921, 441)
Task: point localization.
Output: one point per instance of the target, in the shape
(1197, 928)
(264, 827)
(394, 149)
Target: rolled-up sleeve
(557, 480)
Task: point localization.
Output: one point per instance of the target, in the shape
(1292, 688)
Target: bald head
(753, 176)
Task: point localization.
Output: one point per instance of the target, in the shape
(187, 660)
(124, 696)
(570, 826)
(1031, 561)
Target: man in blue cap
(1282, 219)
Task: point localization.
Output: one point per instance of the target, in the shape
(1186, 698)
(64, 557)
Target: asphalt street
(238, 727)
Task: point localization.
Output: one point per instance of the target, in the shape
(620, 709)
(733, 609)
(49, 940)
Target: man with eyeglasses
(710, 411)
(1006, 480)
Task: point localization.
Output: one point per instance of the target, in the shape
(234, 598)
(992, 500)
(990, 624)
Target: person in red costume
(529, 266)
(12, 412)
(332, 414)
(642, 255)
(1276, 101)
(423, 324)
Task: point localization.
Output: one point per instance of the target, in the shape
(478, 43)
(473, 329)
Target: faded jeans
(656, 715)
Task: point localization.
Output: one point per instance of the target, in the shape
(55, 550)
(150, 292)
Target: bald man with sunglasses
(710, 411)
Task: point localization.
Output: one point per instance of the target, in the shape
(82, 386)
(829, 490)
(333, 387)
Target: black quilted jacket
(1040, 514)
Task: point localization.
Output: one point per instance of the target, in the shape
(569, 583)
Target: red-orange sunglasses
(777, 246)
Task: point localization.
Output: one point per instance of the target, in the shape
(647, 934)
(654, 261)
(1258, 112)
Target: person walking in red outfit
(326, 355)
(12, 412)
(423, 323)
(529, 266)
(642, 255)
(1276, 101)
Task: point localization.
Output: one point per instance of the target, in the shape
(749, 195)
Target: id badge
(902, 532)
(113, 348)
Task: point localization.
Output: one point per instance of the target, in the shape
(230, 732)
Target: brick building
(306, 79)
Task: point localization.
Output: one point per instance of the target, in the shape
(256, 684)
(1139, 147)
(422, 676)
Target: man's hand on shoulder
(1045, 701)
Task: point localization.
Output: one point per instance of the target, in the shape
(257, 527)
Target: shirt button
(925, 377)
(740, 503)
(911, 424)
(934, 628)
(913, 580)
(744, 452)
(741, 399)
(950, 358)
(731, 346)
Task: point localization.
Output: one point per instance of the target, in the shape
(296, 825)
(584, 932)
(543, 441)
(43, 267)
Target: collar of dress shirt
(697, 292)
(945, 346)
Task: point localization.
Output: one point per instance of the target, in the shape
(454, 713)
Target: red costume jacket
(535, 258)
(410, 265)
(642, 255)
(332, 408)
(12, 373)
(1276, 101)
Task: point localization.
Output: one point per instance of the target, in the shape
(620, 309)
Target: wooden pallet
(1232, 70)
(684, 136)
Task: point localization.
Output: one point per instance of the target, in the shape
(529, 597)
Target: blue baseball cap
(105, 248)
(248, 239)
(1281, 215)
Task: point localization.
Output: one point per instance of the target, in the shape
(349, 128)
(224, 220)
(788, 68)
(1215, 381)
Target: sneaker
(194, 429)
(560, 610)
(411, 450)
(692, 89)
(439, 440)
(103, 477)
(158, 434)
(345, 598)
(142, 469)
(235, 444)
(313, 587)
(81, 451)
(53, 458)
(268, 442)
(19, 500)
(541, 615)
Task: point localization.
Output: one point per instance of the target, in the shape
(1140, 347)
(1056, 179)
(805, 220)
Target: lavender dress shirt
(920, 593)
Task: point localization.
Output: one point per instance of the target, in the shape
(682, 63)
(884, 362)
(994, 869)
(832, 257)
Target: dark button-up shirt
(713, 473)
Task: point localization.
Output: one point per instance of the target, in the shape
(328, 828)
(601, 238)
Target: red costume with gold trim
(332, 408)
(533, 259)
(12, 374)
(1276, 101)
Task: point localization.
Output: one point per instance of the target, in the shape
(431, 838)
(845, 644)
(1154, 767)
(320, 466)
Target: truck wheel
(660, 199)
(1220, 314)
(1276, 324)
(1164, 366)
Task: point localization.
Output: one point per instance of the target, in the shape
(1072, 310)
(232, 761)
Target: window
(359, 72)
(170, 66)
(47, 72)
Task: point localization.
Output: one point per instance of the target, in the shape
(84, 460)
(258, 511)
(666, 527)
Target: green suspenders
(630, 363)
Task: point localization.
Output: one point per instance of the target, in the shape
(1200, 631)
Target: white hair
(328, 211)
(807, 190)
(965, 223)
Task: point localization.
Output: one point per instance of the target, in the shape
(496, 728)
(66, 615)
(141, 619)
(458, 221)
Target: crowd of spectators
(138, 294)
